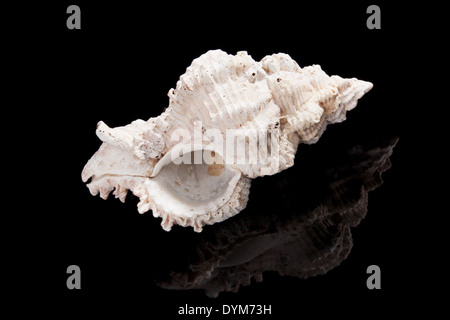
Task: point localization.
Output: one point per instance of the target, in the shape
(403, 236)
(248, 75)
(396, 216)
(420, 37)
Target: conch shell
(230, 119)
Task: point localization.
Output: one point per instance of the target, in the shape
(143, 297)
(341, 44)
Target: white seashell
(237, 118)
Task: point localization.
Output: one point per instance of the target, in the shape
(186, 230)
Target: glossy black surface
(119, 68)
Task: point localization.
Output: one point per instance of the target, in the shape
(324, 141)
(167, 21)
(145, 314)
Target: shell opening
(197, 182)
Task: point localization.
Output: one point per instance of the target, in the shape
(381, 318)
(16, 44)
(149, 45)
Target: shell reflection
(305, 233)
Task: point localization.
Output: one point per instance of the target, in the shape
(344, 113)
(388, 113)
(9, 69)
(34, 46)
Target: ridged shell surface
(230, 119)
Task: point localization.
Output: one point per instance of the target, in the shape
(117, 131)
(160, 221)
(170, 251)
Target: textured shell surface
(230, 119)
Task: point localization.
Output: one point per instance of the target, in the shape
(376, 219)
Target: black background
(119, 68)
